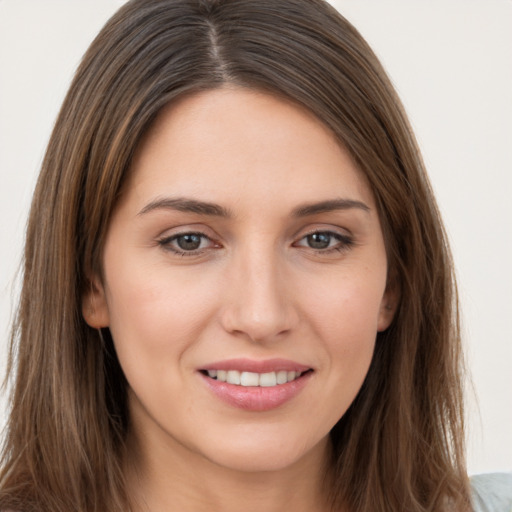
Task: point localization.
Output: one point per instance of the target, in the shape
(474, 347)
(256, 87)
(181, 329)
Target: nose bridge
(259, 302)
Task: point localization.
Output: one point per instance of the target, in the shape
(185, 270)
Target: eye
(186, 243)
(325, 241)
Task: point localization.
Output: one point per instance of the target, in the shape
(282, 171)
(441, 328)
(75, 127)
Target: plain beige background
(451, 63)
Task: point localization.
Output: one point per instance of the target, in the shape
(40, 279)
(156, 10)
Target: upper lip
(257, 366)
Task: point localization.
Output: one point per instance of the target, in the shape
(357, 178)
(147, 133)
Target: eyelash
(345, 242)
(166, 243)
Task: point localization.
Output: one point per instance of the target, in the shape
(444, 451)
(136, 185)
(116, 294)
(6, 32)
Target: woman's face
(244, 282)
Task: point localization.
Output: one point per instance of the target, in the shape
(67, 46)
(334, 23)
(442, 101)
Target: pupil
(189, 242)
(319, 240)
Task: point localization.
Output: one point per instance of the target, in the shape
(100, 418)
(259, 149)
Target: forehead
(243, 145)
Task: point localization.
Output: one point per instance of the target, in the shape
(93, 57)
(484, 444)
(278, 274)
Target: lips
(256, 385)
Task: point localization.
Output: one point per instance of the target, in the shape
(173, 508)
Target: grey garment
(492, 492)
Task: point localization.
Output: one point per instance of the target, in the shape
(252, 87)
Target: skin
(257, 287)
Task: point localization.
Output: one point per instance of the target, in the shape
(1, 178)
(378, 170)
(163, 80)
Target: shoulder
(492, 492)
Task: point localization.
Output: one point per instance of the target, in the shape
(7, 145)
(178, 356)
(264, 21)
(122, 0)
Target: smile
(252, 379)
(256, 385)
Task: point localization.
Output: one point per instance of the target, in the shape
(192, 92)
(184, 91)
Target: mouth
(253, 379)
(256, 385)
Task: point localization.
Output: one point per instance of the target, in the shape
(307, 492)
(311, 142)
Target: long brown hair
(400, 445)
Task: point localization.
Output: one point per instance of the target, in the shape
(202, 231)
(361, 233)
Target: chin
(259, 454)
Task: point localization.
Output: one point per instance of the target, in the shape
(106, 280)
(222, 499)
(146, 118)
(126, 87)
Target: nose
(259, 301)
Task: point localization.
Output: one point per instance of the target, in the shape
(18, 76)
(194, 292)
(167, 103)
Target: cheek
(344, 314)
(156, 313)
(346, 305)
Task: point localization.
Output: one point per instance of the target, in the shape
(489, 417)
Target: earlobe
(94, 305)
(386, 315)
(388, 308)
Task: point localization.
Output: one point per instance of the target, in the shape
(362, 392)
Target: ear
(94, 305)
(388, 307)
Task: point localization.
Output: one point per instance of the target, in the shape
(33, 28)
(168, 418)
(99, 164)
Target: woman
(235, 278)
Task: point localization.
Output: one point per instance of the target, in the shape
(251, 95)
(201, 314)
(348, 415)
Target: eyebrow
(186, 205)
(212, 209)
(329, 206)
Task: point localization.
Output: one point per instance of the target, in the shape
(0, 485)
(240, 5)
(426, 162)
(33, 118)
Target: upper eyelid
(165, 236)
(197, 229)
(335, 230)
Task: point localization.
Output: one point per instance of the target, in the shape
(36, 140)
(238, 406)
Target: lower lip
(256, 398)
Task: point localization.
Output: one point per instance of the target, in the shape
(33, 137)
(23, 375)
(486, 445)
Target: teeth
(282, 377)
(233, 377)
(249, 379)
(254, 379)
(268, 379)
